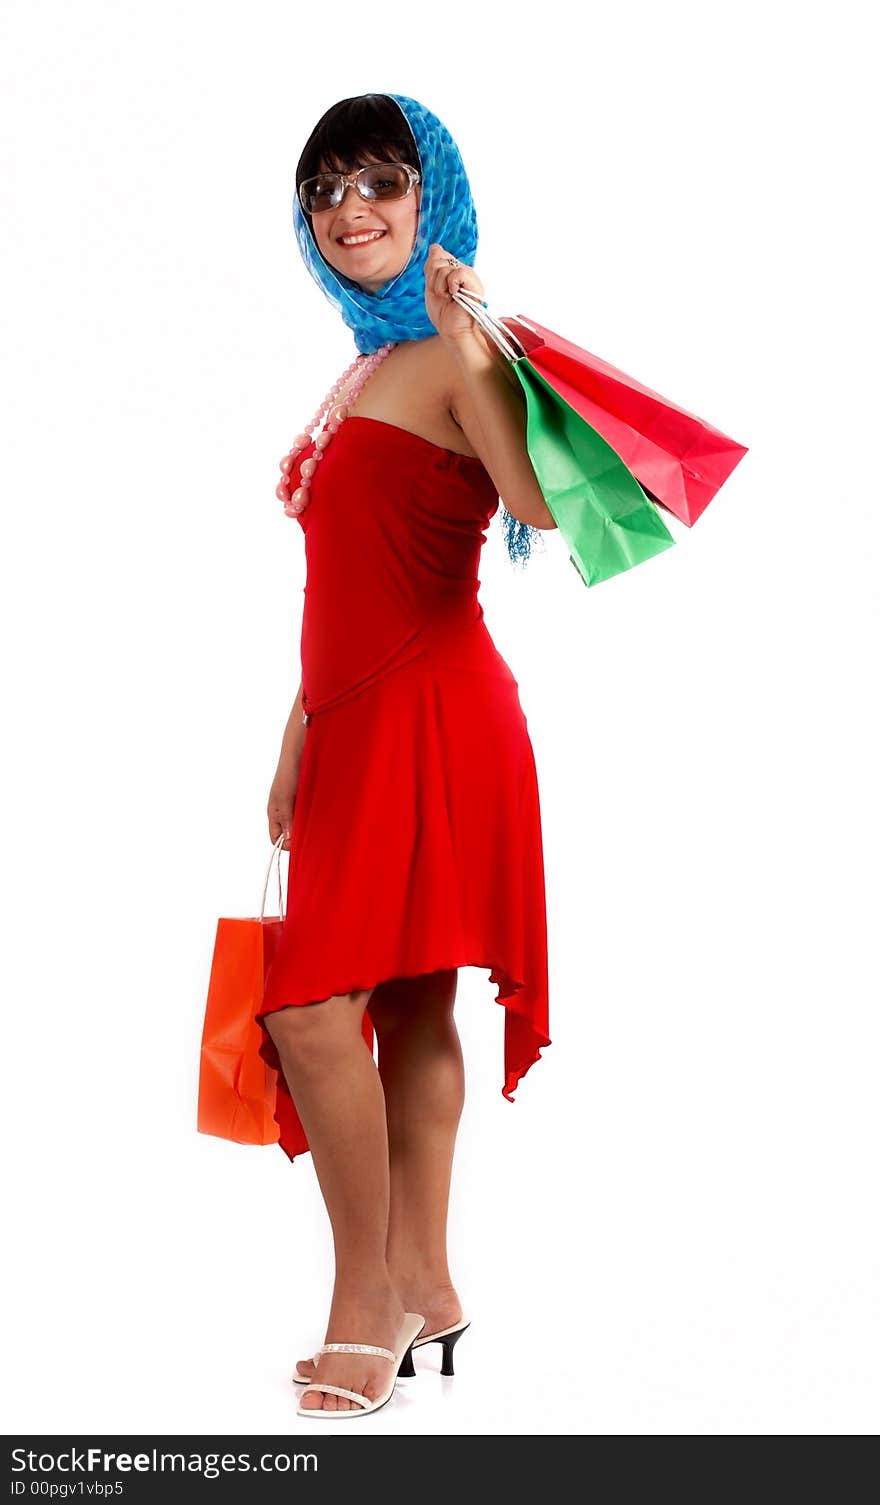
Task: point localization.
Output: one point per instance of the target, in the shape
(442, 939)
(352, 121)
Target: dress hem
(508, 988)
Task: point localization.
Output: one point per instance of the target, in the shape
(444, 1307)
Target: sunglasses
(379, 183)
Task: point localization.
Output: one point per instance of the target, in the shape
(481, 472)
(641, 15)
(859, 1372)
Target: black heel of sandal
(448, 1345)
(407, 1370)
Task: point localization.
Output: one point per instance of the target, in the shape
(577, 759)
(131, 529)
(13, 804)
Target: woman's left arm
(492, 413)
(486, 399)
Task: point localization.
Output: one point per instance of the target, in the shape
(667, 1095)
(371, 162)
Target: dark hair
(366, 124)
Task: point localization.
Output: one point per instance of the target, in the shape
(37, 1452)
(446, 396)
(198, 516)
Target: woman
(406, 788)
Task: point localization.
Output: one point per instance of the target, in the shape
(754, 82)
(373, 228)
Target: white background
(674, 1229)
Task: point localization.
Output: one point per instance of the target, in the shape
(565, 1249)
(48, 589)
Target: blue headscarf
(446, 215)
(397, 310)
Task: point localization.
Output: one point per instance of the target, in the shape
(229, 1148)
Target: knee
(312, 1033)
(414, 1003)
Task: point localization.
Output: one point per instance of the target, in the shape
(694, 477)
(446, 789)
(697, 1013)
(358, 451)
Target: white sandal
(409, 1330)
(448, 1336)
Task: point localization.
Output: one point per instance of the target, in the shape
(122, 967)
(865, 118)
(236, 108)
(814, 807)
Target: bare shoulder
(445, 373)
(445, 379)
(413, 388)
(430, 365)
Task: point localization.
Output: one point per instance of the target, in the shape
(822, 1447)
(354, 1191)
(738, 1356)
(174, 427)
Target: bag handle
(491, 324)
(276, 852)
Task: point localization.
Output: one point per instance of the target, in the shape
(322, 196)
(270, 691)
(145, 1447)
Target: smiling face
(391, 227)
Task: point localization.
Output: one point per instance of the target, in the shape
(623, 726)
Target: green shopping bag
(607, 520)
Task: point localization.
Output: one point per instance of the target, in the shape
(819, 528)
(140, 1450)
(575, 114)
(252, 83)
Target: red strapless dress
(416, 837)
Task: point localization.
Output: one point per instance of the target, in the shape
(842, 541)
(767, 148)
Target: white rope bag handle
(276, 852)
(491, 324)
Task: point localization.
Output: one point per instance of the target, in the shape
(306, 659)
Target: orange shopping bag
(237, 1088)
(242, 1097)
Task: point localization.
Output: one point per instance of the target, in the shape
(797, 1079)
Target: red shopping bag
(680, 460)
(236, 1087)
(241, 1097)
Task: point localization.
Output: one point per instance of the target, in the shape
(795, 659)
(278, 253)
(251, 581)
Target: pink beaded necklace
(364, 366)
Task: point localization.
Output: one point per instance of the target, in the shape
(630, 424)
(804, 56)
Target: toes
(315, 1400)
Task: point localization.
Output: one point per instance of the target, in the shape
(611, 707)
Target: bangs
(365, 126)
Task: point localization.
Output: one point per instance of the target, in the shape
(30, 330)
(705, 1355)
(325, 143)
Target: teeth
(359, 240)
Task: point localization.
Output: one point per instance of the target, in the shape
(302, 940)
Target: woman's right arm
(282, 795)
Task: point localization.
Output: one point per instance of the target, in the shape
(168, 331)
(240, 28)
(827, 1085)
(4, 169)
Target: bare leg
(422, 1072)
(338, 1093)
